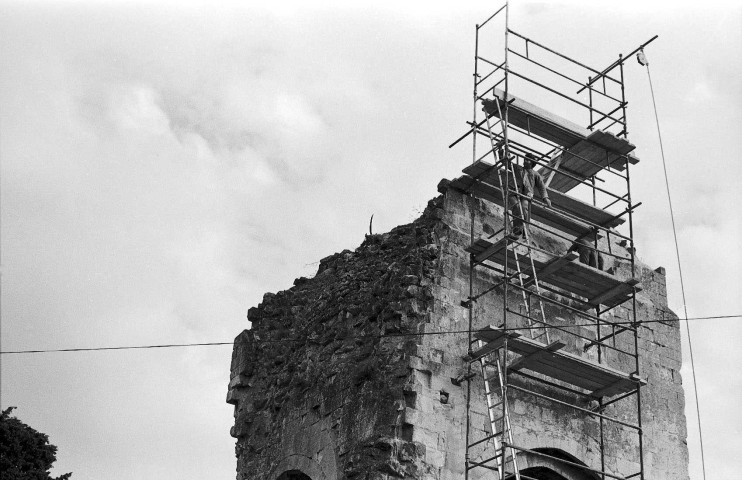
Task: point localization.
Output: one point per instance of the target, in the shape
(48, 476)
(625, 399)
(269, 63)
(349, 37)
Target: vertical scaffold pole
(625, 131)
(590, 95)
(471, 262)
(636, 327)
(600, 400)
(507, 221)
(633, 274)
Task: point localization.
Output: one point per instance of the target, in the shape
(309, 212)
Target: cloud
(699, 93)
(163, 169)
(137, 107)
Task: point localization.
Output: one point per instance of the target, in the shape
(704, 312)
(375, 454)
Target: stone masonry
(348, 375)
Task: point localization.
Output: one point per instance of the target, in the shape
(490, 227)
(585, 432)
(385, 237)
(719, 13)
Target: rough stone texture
(318, 390)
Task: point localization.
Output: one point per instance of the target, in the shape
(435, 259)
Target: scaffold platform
(565, 272)
(550, 360)
(585, 152)
(486, 173)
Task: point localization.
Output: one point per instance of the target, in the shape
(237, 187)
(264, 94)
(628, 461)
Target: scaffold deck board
(596, 286)
(536, 120)
(587, 152)
(599, 380)
(552, 127)
(581, 162)
(484, 171)
(539, 211)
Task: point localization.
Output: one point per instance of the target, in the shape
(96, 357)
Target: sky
(164, 165)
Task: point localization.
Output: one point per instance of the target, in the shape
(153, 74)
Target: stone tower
(508, 333)
(333, 381)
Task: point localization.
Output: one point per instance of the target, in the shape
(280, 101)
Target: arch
(294, 475)
(552, 465)
(301, 467)
(542, 473)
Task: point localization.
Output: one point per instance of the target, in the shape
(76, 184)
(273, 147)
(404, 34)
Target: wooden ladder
(500, 434)
(535, 332)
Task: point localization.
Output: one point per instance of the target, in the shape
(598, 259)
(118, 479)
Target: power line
(369, 336)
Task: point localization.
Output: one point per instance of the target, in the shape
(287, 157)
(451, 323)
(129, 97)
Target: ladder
(500, 434)
(514, 244)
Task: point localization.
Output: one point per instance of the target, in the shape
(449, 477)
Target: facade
(331, 382)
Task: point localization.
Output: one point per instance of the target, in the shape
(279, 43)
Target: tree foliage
(25, 454)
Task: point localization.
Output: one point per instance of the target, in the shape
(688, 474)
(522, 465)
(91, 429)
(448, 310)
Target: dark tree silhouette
(25, 454)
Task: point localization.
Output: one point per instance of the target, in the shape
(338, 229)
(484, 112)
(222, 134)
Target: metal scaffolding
(592, 163)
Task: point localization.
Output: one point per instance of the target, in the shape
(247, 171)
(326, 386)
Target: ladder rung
(495, 420)
(494, 405)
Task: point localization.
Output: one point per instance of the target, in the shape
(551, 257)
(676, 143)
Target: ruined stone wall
(315, 386)
(317, 389)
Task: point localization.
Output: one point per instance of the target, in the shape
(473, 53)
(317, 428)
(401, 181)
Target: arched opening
(541, 473)
(554, 464)
(293, 475)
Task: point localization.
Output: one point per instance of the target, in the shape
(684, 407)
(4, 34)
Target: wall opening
(555, 464)
(542, 473)
(293, 475)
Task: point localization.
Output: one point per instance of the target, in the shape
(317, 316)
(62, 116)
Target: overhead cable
(365, 336)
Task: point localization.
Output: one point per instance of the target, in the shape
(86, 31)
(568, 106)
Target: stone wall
(315, 385)
(330, 380)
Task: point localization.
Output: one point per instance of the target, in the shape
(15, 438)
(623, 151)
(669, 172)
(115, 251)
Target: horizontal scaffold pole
(613, 65)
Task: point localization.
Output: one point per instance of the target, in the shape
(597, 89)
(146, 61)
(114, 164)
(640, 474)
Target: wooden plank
(584, 210)
(600, 147)
(567, 367)
(613, 143)
(490, 333)
(578, 370)
(525, 360)
(616, 291)
(566, 376)
(491, 250)
(483, 171)
(619, 386)
(567, 283)
(586, 378)
(494, 338)
(616, 301)
(597, 285)
(536, 120)
(570, 372)
(539, 212)
(482, 245)
(551, 173)
(554, 266)
(575, 162)
(546, 124)
(563, 272)
(551, 361)
(591, 282)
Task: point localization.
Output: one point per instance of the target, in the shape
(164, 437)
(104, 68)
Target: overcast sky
(164, 166)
